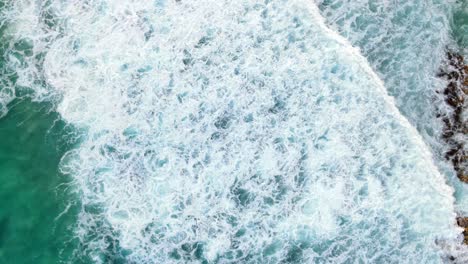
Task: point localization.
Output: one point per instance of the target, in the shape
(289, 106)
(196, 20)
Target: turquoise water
(460, 25)
(34, 226)
(254, 135)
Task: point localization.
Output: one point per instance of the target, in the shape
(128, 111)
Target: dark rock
(455, 93)
(463, 223)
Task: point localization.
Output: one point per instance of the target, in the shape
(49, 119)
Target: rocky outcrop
(463, 223)
(456, 125)
(455, 121)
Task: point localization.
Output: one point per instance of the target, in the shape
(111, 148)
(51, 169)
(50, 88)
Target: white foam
(236, 132)
(406, 43)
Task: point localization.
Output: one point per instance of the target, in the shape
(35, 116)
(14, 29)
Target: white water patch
(234, 131)
(27, 32)
(406, 44)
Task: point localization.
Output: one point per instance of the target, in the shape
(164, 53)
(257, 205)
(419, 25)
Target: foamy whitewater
(406, 44)
(229, 132)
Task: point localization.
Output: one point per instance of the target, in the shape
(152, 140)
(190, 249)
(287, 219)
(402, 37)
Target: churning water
(244, 131)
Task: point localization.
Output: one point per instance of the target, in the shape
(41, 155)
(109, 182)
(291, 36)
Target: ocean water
(405, 43)
(227, 131)
(460, 25)
(37, 213)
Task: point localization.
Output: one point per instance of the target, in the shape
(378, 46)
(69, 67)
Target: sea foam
(406, 43)
(230, 131)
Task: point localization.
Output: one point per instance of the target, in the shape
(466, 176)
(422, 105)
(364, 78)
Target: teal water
(460, 25)
(33, 228)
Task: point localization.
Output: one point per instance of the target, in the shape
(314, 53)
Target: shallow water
(34, 227)
(460, 25)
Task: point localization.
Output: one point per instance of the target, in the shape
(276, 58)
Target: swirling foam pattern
(406, 44)
(230, 132)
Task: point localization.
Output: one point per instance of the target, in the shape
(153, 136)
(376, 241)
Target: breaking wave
(227, 131)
